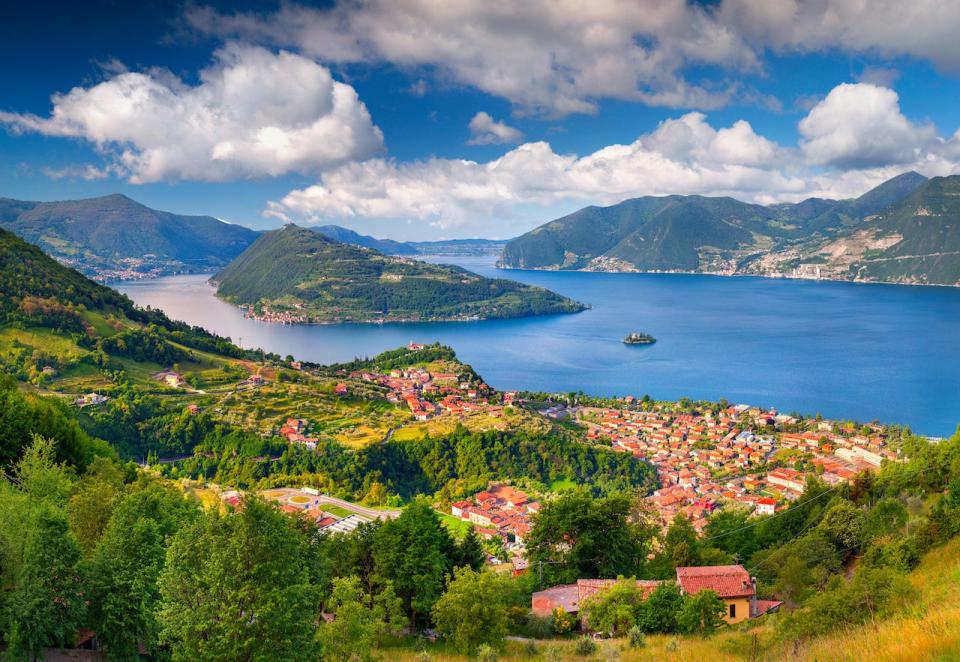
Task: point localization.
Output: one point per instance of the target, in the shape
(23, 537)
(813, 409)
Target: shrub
(538, 627)
(586, 646)
(672, 645)
(636, 637)
(562, 621)
(486, 654)
(530, 649)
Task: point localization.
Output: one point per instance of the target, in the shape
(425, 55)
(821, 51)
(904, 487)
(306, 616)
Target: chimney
(753, 598)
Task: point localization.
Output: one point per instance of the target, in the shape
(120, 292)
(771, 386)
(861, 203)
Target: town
(706, 456)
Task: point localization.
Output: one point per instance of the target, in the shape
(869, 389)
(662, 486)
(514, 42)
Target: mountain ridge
(113, 236)
(696, 233)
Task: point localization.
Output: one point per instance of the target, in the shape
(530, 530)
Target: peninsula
(296, 275)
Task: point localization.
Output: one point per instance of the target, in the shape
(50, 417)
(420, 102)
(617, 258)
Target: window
(733, 610)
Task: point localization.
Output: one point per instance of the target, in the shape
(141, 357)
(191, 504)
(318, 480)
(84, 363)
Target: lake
(845, 350)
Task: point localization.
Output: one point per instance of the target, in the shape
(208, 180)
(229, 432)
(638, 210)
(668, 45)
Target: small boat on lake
(639, 339)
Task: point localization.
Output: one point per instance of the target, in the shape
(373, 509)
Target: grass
(930, 632)
(456, 526)
(562, 484)
(336, 511)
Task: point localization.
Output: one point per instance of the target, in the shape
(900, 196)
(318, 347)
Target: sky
(420, 119)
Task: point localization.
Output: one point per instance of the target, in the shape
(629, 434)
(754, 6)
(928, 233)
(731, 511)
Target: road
(370, 513)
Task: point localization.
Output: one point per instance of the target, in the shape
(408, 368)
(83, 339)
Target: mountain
(390, 247)
(347, 236)
(114, 237)
(693, 233)
(295, 274)
(915, 241)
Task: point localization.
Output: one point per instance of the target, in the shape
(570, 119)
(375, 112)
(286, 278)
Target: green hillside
(297, 271)
(691, 233)
(107, 236)
(928, 225)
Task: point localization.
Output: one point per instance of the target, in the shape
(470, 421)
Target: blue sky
(414, 121)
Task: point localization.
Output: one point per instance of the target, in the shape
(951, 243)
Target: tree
(238, 586)
(352, 633)
(124, 594)
(47, 606)
(414, 551)
(89, 512)
(887, 516)
(473, 611)
(701, 612)
(615, 609)
(842, 524)
(577, 536)
(388, 610)
(658, 613)
(680, 548)
(470, 551)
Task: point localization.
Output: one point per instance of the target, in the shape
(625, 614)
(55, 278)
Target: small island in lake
(639, 339)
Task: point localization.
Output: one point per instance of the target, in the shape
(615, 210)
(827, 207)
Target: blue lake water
(845, 350)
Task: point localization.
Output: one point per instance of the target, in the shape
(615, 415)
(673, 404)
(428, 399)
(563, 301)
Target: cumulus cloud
(859, 125)
(920, 28)
(546, 56)
(852, 140)
(254, 113)
(683, 155)
(562, 56)
(484, 130)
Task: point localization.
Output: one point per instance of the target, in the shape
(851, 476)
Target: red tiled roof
(565, 596)
(763, 606)
(728, 581)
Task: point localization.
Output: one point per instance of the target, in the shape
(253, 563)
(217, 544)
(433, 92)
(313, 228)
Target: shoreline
(719, 274)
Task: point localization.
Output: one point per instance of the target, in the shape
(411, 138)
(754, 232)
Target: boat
(639, 339)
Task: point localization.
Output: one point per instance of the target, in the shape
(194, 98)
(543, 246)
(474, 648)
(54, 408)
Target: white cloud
(921, 28)
(561, 56)
(546, 56)
(853, 140)
(859, 125)
(685, 155)
(88, 172)
(484, 130)
(254, 113)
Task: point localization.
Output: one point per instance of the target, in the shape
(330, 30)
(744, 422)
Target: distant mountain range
(391, 247)
(116, 238)
(113, 237)
(901, 231)
(297, 275)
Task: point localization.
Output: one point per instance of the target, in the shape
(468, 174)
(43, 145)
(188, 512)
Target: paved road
(371, 513)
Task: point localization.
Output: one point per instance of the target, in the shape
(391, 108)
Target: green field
(457, 527)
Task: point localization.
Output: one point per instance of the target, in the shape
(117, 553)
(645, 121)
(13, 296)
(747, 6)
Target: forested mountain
(916, 241)
(295, 271)
(693, 233)
(347, 236)
(115, 237)
(391, 247)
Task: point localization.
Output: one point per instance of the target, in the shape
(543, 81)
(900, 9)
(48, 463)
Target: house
(791, 479)
(570, 597)
(732, 584)
(766, 506)
(340, 389)
(91, 400)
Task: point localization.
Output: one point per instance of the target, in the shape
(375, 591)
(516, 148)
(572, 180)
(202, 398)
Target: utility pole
(540, 574)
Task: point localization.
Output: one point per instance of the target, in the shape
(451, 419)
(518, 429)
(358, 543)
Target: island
(639, 339)
(298, 276)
